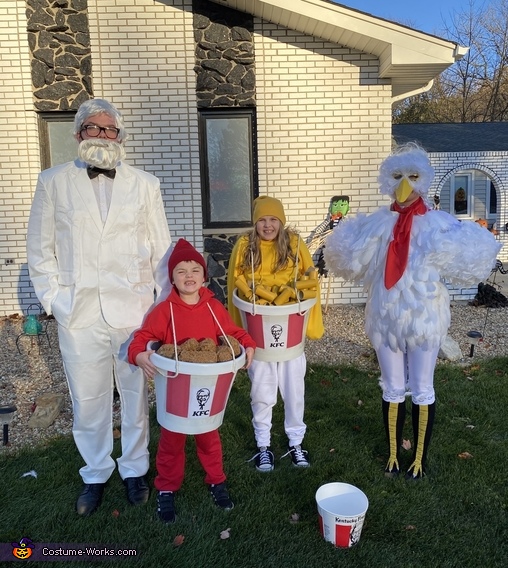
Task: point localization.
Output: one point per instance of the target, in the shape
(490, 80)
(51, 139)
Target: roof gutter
(458, 53)
(403, 96)
(408, 58)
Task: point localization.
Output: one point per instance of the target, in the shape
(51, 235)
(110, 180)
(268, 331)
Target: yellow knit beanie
(265, 206)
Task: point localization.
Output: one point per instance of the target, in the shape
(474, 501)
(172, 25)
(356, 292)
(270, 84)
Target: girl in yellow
(270, 249)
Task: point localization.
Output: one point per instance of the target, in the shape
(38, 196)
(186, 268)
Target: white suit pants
(266, 380)
(93, 358)
(413, 370)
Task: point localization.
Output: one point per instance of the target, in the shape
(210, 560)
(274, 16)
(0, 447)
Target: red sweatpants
(170, 459)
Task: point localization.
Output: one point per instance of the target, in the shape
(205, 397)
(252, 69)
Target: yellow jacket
(267, 277)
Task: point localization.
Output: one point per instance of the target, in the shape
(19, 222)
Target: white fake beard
(101, 153)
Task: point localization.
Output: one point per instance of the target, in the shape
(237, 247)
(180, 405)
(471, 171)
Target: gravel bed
(27, 374)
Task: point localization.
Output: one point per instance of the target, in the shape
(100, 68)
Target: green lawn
(456, 517)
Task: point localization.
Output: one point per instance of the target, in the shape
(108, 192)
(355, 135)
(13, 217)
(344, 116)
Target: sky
(424, 15)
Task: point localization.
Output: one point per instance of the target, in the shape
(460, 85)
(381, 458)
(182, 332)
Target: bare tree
(495, 88)
(475, 89)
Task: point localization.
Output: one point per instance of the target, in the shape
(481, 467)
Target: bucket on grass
(342, 508)
(279, 331)
(191, 397)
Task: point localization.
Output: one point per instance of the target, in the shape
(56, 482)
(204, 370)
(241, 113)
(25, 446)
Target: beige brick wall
(19, 153)
(143, 61)
(324, 121)
(324, 125)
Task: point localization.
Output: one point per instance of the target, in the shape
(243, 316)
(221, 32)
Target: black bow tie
(93, 172)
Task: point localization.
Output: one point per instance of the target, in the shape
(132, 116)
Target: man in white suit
(98, 243)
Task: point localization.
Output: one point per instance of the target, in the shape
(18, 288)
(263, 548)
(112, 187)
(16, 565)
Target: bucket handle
(253, 312)
(170, 375)
(224, 336)
(295, 278)
(177, 365)
(299, 313)
(296, 274)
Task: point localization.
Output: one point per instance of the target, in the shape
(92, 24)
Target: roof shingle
(455, 137)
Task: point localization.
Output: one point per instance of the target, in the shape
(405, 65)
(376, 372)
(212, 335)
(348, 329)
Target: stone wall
(59, 41)
(225, 78)
(224, 56)
(218, 250)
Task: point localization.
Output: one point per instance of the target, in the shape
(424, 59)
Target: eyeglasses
(94, 131)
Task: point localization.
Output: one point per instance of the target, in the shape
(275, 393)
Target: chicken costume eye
(409, 163)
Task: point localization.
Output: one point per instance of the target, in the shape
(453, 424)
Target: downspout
(458, 53)
(423, 89)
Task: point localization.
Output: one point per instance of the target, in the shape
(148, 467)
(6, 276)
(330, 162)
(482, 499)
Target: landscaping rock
(49, 406)
(450, 350)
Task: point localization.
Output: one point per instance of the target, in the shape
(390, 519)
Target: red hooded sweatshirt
(191, 321)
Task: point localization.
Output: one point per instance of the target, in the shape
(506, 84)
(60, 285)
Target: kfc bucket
(279, 331)
(191, 397)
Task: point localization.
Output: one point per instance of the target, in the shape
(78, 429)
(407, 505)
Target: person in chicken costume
(402, 253)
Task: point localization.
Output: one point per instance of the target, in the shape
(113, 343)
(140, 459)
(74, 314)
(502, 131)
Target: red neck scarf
(398, 249)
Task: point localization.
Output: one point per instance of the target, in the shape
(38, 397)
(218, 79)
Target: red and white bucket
(342, 508)
(192, 397)
(279, 331)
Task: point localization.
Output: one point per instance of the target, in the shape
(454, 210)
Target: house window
(461, 195)
(492, 200)
(228, 166)
(471, 194)
(56, 138)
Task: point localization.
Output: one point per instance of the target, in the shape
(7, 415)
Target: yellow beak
(403, 191)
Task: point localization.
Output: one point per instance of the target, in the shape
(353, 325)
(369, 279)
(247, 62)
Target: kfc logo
(276, 331)
(202, 396)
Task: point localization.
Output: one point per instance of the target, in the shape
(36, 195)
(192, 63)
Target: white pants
(413, 370)
(93, 358)
(266, 380)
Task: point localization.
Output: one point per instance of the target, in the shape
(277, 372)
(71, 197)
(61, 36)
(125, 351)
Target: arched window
(470, 194)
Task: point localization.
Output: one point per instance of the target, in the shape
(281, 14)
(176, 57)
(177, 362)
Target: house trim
(410, 59)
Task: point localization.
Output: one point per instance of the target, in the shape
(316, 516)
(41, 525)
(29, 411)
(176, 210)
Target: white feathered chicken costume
(401, 254)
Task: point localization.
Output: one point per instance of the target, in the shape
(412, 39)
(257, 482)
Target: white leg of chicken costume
(402, 254)
(399, 371)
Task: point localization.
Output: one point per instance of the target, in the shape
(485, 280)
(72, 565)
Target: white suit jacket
(80, 267)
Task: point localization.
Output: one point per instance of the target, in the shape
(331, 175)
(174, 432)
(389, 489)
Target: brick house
(223, 100)
(471, 179)
(471, 168)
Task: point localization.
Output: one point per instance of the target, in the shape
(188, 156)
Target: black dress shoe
(90, 498)
(137, 490)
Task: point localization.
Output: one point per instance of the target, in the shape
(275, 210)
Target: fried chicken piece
(198, 356)
(166, 350)
(224, 353)
(234, 344)
(189, 345)
(207, 344)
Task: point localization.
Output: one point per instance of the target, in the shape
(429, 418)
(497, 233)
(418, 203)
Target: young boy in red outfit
(189, 306)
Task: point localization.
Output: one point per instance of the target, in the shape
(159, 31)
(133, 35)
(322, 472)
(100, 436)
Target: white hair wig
(93, 107)
(408, 161)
